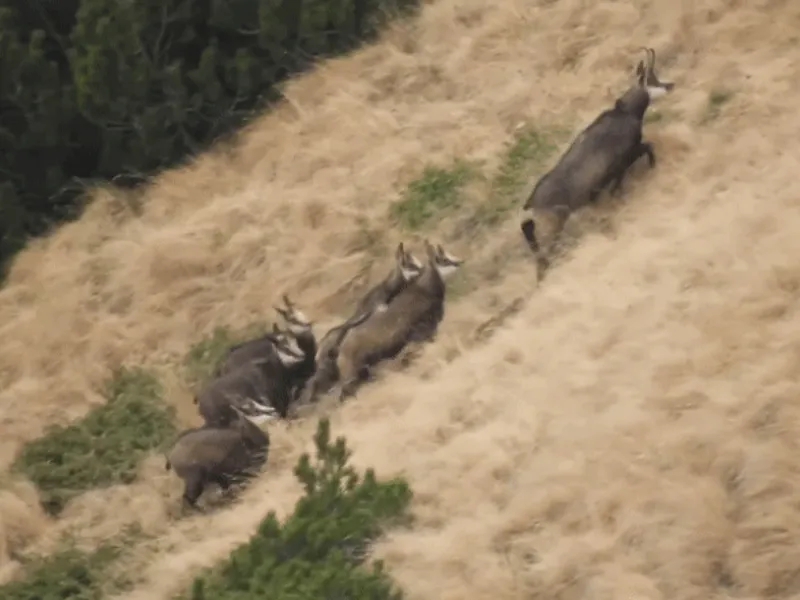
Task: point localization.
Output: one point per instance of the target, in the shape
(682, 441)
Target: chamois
(221, 455)
(263, 381)
(406, 269)
(302, 329)
(244, 352)
(413, 316)
(599, 155)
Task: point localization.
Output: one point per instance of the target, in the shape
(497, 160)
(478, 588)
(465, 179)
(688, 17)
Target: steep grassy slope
(631, 433)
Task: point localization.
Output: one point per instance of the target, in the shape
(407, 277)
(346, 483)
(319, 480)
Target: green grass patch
(525, 154)
(102, 448)
(67, 573)
(717, 98)
(436, 190)
(206, 354)
(320, 549)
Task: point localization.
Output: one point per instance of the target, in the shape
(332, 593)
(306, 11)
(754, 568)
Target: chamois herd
(279, 373)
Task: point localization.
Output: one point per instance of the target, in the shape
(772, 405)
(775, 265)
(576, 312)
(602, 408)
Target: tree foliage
(318, 551)
(110, 89)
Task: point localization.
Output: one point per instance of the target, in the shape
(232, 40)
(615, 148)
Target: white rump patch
(382, 307)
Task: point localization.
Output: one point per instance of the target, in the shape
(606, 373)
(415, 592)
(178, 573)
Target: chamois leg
(647, 148)
(643, 149)
(224, 483)
(352, 378)
(554, 218)
(193, 488)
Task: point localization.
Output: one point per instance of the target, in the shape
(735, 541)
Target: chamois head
(646, 76)
(409, 265)
(286, 348)
(446, 264)
(296, 320)
(637, 99)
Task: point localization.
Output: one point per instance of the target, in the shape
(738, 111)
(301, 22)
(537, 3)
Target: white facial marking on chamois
(446, 264)
(656, 92)
(287, 357)
(446, 270)
(413, 261)
(409, 274)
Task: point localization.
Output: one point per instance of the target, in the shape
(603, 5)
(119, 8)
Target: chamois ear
(641, 76)
(430, 250)
(287, 302)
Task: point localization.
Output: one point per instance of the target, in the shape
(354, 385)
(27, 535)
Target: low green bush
(319, 550)
(102, 448)
(68, 573)
(524, 155)
(434, 191)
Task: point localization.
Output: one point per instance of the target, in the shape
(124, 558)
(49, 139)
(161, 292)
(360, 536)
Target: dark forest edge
(97, 91)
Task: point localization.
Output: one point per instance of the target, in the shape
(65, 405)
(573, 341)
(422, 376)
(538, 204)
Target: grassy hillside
(631, 432)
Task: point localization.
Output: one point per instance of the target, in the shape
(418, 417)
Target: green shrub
(436, 190)
(102, 448)
(317, 552)
(527, 152)
(68, 573)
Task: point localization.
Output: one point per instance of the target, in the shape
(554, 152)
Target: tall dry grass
(631, 433)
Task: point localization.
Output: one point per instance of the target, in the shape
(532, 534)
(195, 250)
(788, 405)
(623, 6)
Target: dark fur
(600, 155)
(221, 455)
(382, 293)
(297, 375)
(245, 352)
(327, 373)
(413, 316)
(386, 291)
(263, 381)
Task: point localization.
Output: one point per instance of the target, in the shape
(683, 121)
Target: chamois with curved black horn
(406, 269)
(413, 316)
(245, 352)
(262, 380)
(327, 373)
(302, 329)
(601, 154)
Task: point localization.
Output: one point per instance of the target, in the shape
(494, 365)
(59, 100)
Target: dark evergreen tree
(318, 552)
(103, 89)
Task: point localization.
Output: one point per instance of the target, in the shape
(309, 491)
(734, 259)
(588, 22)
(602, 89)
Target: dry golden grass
(632, 433)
